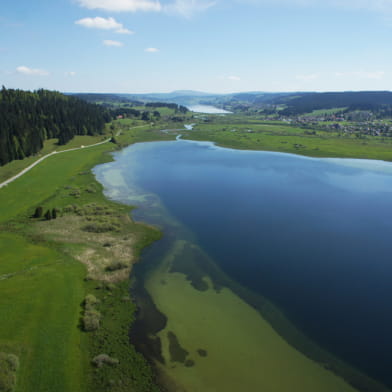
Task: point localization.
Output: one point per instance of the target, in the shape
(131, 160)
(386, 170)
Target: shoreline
(105, 158)
(335, 159)
(293, 336)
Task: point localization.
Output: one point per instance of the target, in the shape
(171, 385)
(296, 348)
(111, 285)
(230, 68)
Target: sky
(217, 46)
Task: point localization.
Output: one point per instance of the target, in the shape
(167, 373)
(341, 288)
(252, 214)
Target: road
(28, 168)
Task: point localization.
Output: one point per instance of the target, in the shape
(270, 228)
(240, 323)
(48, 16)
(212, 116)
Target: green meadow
(43, 284)
(40, 294)
(289, 139)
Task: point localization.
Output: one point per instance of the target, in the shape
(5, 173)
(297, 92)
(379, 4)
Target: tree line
(177, 108)
(28, 118)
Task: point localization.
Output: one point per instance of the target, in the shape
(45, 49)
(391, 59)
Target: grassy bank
(43, 269)
(257, 135)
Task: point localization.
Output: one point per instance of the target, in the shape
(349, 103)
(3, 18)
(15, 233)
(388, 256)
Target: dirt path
(28, 168)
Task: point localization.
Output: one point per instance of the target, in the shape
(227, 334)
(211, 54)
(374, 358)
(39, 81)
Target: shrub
(91, 320)
(96, 227)
(9, 364)
(38, 212)
(90, 301)
(69, 208)
(90, 189)
(104, 359)
(48, 215)
(115, 266)
(75, 192)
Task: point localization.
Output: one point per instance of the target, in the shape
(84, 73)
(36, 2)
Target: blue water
(312, 235)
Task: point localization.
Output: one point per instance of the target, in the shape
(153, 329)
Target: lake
(274, 271)
(207, 109)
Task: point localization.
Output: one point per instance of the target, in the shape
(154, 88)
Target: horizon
(191, 92)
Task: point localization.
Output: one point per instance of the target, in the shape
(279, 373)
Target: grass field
(14, 167)
(40, 295)
(293, 140)
(42, 284)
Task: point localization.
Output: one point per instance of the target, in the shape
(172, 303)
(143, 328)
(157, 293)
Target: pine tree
(38, 212)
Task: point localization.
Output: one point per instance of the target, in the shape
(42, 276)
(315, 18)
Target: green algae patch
(177, 353)
(244, 351)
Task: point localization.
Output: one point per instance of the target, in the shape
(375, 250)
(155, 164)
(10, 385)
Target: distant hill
(362, 100)
(304, 102)
(181, 97)
(288, 103)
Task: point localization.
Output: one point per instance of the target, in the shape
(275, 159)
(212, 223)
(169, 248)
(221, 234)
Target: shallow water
(311, 235)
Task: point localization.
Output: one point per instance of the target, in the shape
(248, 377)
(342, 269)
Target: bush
(91, 320)
(9, 364)
(90, 301)
(38, 212)
(104, 359)
(70, 208)
(75, 192)
(96, 227)
(115, 266)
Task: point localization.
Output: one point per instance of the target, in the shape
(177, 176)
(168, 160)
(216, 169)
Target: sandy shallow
(243, 351)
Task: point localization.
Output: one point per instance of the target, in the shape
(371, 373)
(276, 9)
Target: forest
(28, 118)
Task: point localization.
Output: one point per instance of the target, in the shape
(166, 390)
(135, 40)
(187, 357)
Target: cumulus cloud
(109, 42)
(31, 71)
(187, 8)
(103, 24)
(122, 5)
(234, 78)
(151, 50)
(70, 73)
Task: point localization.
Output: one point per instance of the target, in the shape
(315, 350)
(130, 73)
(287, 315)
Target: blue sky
(134, 46)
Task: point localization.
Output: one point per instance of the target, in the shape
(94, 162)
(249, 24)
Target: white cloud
(109, 42)
(151, 50)
(187, 8)
(124, 30)
(103, 24)
(31, 71)
(71, 73)
(122, 5)
(373, 5)
(234, 78)
(361, 74)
